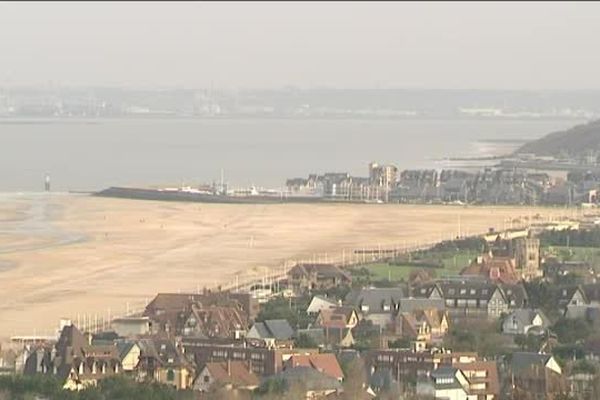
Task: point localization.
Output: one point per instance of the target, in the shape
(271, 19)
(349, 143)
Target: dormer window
(472, 291)
(364, 308)
(386, 307)
(463, 291)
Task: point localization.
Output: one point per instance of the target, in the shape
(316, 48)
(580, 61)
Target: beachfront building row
(498, 185)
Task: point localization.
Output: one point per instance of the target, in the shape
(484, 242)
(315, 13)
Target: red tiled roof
(325, 363)
(234, 372)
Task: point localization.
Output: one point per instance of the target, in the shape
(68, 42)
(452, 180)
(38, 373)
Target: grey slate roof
(525, 316)
(124, 347)
(310, 378)
(278, 329)
(375, 299)
(446, 372)
(522, 361)
(412, 304)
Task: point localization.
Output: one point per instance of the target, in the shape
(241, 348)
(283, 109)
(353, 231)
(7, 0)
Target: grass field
(588, 254)
(453, 264)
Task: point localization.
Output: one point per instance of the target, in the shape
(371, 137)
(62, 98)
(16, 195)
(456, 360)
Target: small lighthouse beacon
(47, 183)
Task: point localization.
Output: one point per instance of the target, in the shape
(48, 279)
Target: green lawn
(453, 263)
(589, 254)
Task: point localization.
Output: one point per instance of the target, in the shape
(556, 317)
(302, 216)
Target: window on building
(170, 375)
(206, 378)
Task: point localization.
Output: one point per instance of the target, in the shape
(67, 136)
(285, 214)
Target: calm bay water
(91, 155)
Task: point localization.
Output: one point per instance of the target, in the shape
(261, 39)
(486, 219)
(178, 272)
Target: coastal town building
(474, 298)
(318, 303)
(446, 382)
(169, 312)
(338, 317)
(314, 384)
(273, 333)
(307, 277)
(325, 363)
(262, 361)
(74, 360)
(161, 360)
(525, 322)
(422, 325)
(232, 375)
(536, 374)
(377, 305)
(215, 321)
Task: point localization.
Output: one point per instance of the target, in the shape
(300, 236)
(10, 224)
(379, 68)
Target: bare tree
(355, 380)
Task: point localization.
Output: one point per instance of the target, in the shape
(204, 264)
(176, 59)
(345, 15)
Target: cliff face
(578, 141)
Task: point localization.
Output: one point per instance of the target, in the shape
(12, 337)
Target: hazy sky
(233, 45)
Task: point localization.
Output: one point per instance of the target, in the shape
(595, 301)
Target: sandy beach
(66, 255)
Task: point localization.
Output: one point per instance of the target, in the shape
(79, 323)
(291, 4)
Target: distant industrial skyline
(506, 46)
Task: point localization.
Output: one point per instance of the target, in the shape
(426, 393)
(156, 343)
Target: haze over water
(95, 154)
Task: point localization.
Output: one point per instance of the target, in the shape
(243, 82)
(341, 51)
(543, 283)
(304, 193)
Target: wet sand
(64, 255)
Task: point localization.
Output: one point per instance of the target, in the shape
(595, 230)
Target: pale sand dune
(77, 254)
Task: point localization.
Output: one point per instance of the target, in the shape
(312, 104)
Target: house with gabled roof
(307, 277)
(273, 332)
(233, 375)
(168, 311)
(75, 361)
(495, 268)
(445, 382)
(162, 361)
(475, 298)
(214, 321)
(129, 354)
(338, 317)
(525, 321)
(377, 305)
(483, 379)
(422, 325)
(318, 303)
(536, 374)
(317, 385)
(325, 363)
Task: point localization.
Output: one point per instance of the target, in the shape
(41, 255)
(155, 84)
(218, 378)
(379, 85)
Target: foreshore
(64, 255)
